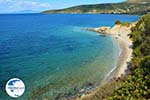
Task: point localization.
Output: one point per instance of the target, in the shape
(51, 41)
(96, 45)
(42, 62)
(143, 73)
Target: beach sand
(120, 34)
(126, 52)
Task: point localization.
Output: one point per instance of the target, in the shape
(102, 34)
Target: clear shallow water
(53, 54)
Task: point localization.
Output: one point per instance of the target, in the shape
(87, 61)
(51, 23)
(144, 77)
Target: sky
(18, 6)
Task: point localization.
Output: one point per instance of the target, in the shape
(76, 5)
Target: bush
(137, 85)
(117, 22)
(125, 24)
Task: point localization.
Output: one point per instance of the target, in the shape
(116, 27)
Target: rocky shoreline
(121, 34)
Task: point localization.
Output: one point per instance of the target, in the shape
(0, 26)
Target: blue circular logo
(15, 87)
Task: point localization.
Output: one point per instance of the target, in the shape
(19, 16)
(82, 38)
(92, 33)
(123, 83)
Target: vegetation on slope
(137, 1)
(136, 85)
(123, 23)
(129, 7)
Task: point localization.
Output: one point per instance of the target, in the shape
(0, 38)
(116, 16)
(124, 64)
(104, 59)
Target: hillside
(137, 1)
(128, 7)
(136, 84)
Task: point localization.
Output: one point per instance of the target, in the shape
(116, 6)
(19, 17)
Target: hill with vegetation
(136, 85)
(127, 7)
(138, 1)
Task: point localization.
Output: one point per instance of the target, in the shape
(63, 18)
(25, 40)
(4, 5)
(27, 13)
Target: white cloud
(8, 6)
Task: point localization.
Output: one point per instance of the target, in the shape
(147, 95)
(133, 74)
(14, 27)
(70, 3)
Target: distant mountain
(138, 1)
(127, 7)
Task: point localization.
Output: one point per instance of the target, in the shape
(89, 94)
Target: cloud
(8, 6)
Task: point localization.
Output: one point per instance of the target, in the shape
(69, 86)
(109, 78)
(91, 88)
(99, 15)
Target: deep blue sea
(53, 54)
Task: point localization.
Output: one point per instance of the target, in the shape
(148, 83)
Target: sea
(54, 55)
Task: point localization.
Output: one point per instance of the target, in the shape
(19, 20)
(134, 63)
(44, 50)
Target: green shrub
(137, 85)
(117, 22)
(125, 24)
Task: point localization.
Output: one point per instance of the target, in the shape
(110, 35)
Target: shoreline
(120, 34)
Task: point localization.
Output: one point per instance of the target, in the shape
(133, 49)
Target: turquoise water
(53, 54)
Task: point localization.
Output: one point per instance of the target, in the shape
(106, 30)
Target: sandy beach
(126, 52)
(120, 34)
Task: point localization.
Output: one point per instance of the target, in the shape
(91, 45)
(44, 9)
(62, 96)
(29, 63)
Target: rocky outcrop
(117, 29)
